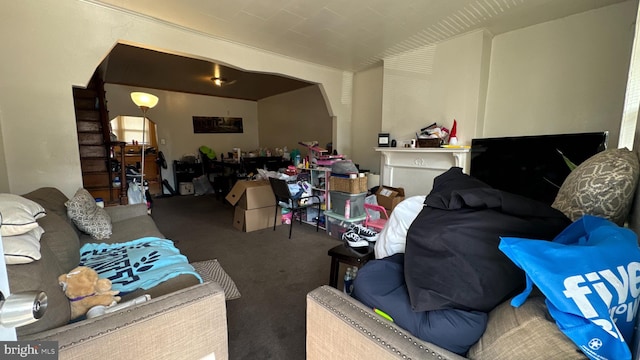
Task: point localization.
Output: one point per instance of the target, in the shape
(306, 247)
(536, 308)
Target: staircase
(97, 163)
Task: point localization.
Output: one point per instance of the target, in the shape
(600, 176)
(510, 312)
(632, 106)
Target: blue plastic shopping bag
(590, 275)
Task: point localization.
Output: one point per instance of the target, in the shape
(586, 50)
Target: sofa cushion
(62, 238)
(41, 275)
(50, 198)
(603, 185)
(526, 332)
(130, 229)
(18, 214)
(23, 248)
(88, 216)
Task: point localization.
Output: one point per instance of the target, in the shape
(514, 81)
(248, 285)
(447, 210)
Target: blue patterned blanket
(138, 264)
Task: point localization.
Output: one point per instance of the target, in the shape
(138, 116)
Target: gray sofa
(184, 319)
(340, 327)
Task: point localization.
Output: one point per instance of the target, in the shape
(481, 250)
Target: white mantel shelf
(415, 168)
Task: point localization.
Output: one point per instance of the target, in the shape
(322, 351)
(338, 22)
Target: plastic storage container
(339, 201)
(337, 224)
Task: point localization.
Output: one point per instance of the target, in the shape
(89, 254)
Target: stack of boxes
(347, 197)
(254, 205)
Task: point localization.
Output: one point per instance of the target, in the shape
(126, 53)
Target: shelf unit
(318, 177)
(117, 169)
(132, 157)
(185, 172)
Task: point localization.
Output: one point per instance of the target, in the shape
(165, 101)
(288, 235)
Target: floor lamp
(145, 102)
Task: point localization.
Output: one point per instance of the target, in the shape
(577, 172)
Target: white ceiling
(349, 34)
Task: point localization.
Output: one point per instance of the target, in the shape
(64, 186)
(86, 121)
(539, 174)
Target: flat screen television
(532, 166)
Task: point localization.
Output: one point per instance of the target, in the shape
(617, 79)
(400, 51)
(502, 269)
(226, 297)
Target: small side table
(344, 254)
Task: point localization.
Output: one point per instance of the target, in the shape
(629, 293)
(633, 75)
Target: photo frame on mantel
(383, 140)
(217, 124)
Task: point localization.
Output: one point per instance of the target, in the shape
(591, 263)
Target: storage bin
(431, 142)
(337, 225)
(356, 203)
(352, 186)
(310, 214)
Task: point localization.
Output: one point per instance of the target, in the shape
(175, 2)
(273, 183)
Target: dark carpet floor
(272, 272)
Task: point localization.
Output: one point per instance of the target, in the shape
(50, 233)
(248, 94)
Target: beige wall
(367, 118)
(50, 46)
(4, 177)
(562, 76)
(300, 115)
(436, 83)
(566, 75)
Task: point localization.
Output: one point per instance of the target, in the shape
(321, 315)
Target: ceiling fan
(218, 80)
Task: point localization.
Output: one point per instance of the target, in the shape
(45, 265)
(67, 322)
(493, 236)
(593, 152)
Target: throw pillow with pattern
(88, 216)
(603, 185)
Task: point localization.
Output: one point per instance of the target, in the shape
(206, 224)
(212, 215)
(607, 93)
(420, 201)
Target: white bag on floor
(135, 193)
(202, 185)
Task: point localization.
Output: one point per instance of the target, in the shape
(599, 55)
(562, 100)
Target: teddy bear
(85, 290)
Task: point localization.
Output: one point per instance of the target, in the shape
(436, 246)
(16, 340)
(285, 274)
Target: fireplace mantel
(415, 168)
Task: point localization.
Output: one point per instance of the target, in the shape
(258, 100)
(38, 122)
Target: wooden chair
(377, 224)
(286, 200)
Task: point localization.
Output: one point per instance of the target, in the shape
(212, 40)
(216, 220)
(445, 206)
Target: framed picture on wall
(216, 124)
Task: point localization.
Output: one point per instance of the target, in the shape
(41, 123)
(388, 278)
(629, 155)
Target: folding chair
(286, 200)
(377, 224)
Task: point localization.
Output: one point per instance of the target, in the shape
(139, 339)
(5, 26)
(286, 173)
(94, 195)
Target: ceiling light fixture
(218, 81)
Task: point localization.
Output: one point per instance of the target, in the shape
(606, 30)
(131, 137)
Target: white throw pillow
(88, 216)
(24, 248)
(18, 214)
(393, 238)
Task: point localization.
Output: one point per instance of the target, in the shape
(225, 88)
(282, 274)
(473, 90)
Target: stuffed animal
(85, 290)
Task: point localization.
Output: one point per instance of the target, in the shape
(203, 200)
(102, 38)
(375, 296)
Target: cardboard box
(256, 219)
(185, 188)
(249, 194)
(388, 197)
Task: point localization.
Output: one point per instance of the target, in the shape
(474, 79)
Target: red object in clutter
(377, 224)
(454, 129)
(290, 170)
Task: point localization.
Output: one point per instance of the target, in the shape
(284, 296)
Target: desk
(252, 164)
(228, 171)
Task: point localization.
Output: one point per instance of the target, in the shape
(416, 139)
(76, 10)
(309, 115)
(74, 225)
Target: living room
(553, 79)
(559, 76)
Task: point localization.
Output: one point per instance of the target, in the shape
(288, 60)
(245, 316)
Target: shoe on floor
(364, 232)
(352, 239)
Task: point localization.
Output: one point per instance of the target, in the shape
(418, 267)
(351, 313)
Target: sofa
(341, 327)
(184, 319)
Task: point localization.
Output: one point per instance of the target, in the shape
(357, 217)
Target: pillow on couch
(526, 332)
(23, 248)
(19, 214)
(88, 216)
(603, 185)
